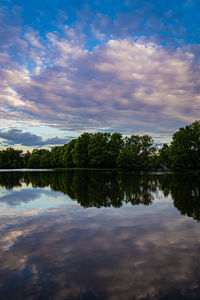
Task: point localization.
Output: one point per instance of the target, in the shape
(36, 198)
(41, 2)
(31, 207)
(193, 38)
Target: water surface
(99, 235)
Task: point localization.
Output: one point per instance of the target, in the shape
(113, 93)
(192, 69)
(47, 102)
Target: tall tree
(98, 152)
(11, 158)
(67, 157)
(115, 145)
(185, 147)
(55, 157)
(80, 151)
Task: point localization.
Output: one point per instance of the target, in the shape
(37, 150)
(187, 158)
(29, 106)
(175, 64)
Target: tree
(164, 156)
(34, 161)
(80, 151)
(147, 151)
(67, 159)
(26, 158)
(98, 152)
(11, 158)
(45, 159)
(39, 158)
(115, 145)
(56, 157)
(185, 147)
(136, 153)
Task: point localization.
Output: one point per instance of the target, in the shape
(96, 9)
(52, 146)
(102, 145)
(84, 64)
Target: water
(99, 235)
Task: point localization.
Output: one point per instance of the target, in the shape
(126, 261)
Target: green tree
(67, 158)
(34, 161)
(11, 158)
(80, 151)
(98, 150)
(26, 158)
(128, 156)
(115, 145)
(56, 161)
(185, 147)
(45, 159)
(147, 151)
(136, 153)
(164, 156)
(39, 158)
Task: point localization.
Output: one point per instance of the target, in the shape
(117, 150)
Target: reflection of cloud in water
(14, 198)
(129, 253)
(30, 199)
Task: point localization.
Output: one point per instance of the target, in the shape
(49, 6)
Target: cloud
(136, 252)
(122, 84)
(163, 23)
(19, 197)
(16, 136)
(119, 82)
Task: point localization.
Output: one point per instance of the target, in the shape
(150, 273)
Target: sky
(69, 66)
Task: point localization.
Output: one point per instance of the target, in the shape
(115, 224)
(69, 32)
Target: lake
(81, 234)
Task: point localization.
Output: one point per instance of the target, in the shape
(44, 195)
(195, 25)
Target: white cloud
(120, 84)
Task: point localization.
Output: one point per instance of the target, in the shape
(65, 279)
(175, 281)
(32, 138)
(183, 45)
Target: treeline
(105, 150)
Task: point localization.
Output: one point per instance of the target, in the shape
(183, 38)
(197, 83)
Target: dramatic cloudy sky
(67, 67)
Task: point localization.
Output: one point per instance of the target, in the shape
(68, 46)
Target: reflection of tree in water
(10, 180)
(96, 189)
(138, 188)
(100, 188)
(185, 191)
(90, 188)
(107, 188)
